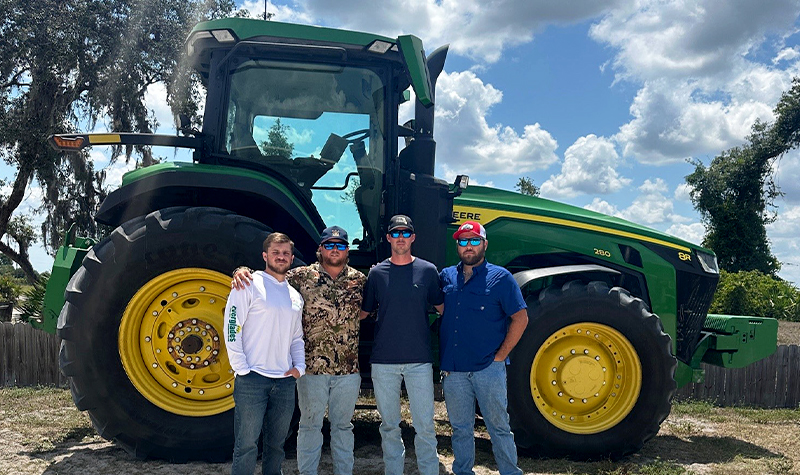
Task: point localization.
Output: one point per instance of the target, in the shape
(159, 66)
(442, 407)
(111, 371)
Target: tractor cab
(317, 109)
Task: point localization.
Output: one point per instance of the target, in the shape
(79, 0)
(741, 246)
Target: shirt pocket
(479, 299)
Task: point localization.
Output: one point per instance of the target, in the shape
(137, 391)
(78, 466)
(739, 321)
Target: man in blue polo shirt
(484, 318)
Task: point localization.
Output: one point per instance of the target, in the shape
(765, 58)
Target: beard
(279, 268)
(333, 261)
(472, 259)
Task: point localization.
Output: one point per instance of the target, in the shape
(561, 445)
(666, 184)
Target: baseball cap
(333, 232)
(401, 221)
(470, 227)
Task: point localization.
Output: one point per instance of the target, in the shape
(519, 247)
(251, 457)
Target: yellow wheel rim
(586, 378)
(170, 342)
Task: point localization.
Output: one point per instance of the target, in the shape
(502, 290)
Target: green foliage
(71, 63)
(277, 143)
(9, 289)
(32, 305)
(755, 294)
(735, 194)
(526, 186)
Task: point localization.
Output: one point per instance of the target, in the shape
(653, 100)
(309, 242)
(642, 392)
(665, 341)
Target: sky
(600, 103)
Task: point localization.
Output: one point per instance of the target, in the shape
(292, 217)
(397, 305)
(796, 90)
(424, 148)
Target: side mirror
(184, 124)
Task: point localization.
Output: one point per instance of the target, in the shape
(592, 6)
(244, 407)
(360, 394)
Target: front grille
(694, 297)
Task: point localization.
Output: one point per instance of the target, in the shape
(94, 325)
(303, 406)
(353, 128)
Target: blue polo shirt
(476, 315)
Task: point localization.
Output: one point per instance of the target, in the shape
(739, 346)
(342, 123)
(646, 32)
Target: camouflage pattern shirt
(330, 317)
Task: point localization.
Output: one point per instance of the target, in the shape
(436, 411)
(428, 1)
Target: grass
(43, 417)
(697, 438)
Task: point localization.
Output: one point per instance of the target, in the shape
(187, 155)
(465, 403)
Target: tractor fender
(264, 199)
(527, 276)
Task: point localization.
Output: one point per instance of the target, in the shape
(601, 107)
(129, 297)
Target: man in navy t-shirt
(402, 288)
(484, 318)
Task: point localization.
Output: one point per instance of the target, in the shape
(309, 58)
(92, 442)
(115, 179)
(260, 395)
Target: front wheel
(142, 331)
(592, 376)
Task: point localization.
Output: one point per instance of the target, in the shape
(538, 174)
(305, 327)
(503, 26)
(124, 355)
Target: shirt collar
(475, 270)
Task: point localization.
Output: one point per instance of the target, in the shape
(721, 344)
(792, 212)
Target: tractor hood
(485, 205)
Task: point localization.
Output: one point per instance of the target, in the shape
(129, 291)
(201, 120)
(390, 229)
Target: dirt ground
(41, 432)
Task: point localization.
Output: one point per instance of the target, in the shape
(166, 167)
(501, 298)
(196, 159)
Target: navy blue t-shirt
(402, 294)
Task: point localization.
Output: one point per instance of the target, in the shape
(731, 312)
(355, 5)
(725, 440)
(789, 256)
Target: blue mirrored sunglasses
(397, 234)
(471, 242)
(328, 246)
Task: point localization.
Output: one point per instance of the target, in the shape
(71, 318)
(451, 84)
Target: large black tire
(592, 376)
(107, 365)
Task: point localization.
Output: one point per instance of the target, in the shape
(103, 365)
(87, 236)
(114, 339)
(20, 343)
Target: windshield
(322, 127)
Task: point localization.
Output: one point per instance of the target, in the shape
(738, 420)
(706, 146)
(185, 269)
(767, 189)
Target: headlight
(708, 261)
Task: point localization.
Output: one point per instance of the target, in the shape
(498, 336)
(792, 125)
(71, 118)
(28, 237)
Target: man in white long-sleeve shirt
(264, 339)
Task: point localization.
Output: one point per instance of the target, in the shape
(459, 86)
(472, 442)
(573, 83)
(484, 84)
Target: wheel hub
(586, 378)
(170, 345)
(582, 376)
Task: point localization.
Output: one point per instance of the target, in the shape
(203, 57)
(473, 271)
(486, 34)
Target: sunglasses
(328, 246)
(471, 242)
(397, 234)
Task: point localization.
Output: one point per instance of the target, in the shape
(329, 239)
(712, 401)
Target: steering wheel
(356, 136)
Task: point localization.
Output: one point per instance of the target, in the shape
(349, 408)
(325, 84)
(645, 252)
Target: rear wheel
(592, 376)
(142, 331)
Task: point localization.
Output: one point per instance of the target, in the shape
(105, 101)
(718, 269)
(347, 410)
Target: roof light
(379, 47)
(223, 36)
(200, 35)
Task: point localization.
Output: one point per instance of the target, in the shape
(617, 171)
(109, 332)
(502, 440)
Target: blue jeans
(418, 377)
(262, 405)
(338, 394)
(488, 386)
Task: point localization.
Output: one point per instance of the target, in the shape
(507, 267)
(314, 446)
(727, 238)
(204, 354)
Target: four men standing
(477, 299)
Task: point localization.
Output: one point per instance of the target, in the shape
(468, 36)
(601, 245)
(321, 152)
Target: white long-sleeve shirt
(264, 329)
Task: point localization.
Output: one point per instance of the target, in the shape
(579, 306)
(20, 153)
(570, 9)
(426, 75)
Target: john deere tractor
(300, 131)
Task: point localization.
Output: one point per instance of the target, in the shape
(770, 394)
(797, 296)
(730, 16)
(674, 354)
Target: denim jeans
(488, 386)
(386, 379)
(262, 405)
(338, 394)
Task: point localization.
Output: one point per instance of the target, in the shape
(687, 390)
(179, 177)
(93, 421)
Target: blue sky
(600, 103)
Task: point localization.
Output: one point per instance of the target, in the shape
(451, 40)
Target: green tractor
(301, 131)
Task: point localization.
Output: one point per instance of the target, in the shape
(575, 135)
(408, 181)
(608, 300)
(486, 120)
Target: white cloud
(689, 38)
(156, 100)
(783, 235)
(467, 143)
(786, 54)
(700, 89)
(589, 168)
(787, 177)
(651, 207)
(477, 29)
(682, 192)
(282, 13)
(693, 232)
(603, 206)
(672, 123)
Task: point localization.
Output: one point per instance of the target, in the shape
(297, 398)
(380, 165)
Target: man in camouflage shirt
(332, 291)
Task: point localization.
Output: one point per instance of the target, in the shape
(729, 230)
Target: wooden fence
(772, 382)
(28, 357)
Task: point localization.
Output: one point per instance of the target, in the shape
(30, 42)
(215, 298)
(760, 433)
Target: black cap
(333, 232)
(401, 221)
